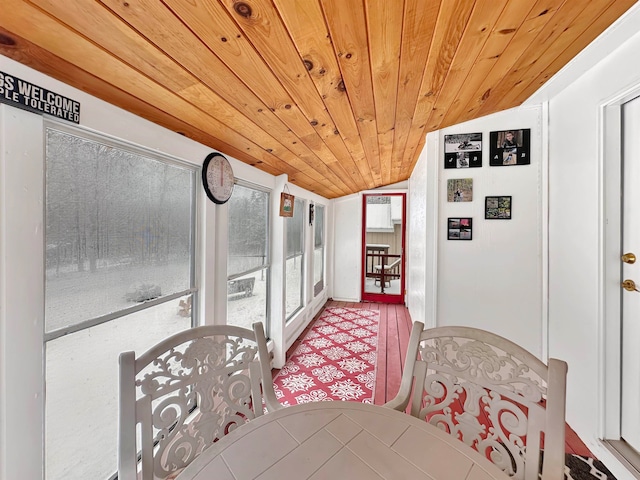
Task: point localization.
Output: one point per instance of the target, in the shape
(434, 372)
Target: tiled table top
(339, 440)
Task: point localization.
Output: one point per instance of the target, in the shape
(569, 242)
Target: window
(120, 225)
(294, 268)
(248, 260)
(318, 250)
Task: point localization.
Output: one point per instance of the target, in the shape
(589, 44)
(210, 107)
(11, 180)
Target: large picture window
(318, 250)
(294, 268)
(248, 259)
(120, 225)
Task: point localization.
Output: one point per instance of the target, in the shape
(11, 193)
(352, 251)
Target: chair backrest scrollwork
(186, 393)
(490, 393)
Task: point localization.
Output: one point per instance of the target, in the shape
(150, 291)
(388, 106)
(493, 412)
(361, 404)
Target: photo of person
(510, 147)
(463, 150)
(462, 160)
(460, 190)
(509, 142)
(509, 158)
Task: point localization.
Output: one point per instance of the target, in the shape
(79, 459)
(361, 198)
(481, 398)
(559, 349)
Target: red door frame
(383, 297)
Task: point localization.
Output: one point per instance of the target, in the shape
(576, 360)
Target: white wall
(493, 281)
(21, 295)
(346, 242)
(417, 240)
(22, 263)
(578, 170)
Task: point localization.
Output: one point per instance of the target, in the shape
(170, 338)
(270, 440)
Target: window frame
(319, 286)
(303, 268)
(267, 265)
(111, 141)
(195, 246)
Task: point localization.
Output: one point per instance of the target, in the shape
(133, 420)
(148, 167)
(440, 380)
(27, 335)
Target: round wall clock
(217, 178)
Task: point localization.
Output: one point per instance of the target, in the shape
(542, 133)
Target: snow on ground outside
(82, 368)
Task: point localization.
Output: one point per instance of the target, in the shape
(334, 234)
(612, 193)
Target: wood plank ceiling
(338, 94)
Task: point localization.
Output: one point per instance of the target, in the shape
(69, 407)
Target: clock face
(217, 178)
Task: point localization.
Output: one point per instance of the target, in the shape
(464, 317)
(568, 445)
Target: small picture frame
(510, 147)
(459, 228)
(460, 190)
(286, 204)
(497, 207)
(463, 150)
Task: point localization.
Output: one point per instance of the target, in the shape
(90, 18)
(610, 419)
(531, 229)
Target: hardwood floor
(395, 327)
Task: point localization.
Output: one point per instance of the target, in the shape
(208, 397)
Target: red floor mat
(335, 360)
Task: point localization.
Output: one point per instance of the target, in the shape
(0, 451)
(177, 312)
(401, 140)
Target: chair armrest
(403, 397)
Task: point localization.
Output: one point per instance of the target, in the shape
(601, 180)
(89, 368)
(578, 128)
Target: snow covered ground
(392, 289)
(82, 367)
(72, 296)
(82, 390)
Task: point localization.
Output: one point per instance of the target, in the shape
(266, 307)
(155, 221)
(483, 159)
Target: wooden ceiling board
(199, 94)
(95, 23)
(213, 72)
(478, 30)
(537, 53)
(224, 82)
(269, 36)
(337, 94)
(615, 10)
(450, 27)
(538, 16)
(555, 45)
(417, 30)
(348, 30)
(308, 30)
(384, 27)
(505, 28)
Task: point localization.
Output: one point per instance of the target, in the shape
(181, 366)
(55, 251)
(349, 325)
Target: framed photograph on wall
(497, 208)
(463, 150)
(510, 147)
(460, 228)
(460, 190)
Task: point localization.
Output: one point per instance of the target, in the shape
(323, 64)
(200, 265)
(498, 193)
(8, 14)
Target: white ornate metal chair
(187, 392)
(490, 393)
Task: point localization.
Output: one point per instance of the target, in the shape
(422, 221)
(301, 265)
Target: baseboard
(613, 460)
(625, 454)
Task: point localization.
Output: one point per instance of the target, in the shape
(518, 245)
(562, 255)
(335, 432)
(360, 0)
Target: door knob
(628, 258)
(630, 286)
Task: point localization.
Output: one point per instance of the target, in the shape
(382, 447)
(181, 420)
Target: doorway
(621, 328)
(383, 246)
(630, 357)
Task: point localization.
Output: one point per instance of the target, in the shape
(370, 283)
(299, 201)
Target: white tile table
(339, 440)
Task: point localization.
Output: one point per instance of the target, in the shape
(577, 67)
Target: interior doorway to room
(383, 246)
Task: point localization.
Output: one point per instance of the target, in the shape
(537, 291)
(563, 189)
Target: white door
(630, 421)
